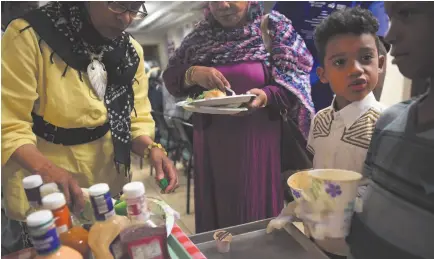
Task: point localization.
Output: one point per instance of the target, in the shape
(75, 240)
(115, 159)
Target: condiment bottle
(57, 204)
(137, 207)
(45, 238)
(75, 237)
(48, 188)
(108, 225)
(31, 186)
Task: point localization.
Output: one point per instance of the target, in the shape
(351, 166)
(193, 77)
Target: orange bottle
(75, 237)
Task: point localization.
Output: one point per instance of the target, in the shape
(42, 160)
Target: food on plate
(213, 93)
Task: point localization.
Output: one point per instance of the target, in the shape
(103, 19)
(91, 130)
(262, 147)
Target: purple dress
(237, 172)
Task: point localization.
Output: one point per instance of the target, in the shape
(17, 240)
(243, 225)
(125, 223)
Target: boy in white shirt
(340, 135)
(350, 59)
(350, 63)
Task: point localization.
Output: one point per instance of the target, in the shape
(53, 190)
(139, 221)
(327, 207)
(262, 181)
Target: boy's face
(411, 34)
(351, 65)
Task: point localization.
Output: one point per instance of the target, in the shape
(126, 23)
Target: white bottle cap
(48, 188)
(39, 218)
(133, 190)
(99, 189)
(53, 201)
(32, 181)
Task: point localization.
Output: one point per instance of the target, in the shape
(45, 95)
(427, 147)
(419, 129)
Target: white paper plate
(233, 101)
(211, 110)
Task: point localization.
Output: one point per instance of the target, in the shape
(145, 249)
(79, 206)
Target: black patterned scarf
(66, 28)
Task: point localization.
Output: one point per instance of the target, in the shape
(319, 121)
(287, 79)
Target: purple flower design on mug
(333, 190)
(296, 194)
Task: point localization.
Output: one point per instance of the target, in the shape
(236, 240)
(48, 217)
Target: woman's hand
(66, 183)
(209, 78)
(30, 158)
(260, 101)
(164, 169)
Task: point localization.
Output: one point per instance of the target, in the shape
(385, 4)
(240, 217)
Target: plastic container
(75, 237)
(223, 241)
(101, 201)
(135, 198)
(108, 225)
(31, 186)
(57, 204)
(45, 238)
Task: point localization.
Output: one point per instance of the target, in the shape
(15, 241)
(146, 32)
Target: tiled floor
(177, 200)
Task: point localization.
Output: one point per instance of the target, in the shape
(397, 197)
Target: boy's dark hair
(347, 21)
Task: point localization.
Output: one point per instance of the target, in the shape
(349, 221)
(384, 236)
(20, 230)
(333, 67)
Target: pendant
(97, 77)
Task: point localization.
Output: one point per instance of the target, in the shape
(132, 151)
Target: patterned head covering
(290, 62)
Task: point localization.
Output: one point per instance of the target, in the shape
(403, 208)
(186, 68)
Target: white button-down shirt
(340, 139)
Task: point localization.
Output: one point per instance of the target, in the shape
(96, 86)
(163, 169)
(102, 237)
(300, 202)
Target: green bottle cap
(164, 183)
(121, 208)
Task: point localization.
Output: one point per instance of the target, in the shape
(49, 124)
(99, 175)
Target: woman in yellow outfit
(74, 101)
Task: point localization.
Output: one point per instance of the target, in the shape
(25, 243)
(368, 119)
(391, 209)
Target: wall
(175, 35)
(154, 39)
(172, 35)
(396, 87)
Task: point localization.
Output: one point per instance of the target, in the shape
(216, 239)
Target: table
(250, 241)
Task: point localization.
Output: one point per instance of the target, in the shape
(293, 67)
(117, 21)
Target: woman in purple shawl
(237, 172)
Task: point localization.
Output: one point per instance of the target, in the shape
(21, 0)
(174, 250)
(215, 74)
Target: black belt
(66, 137)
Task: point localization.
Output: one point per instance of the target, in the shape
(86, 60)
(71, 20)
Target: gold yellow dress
(30, 82)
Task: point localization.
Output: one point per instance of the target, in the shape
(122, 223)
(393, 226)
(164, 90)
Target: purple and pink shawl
(290, 61)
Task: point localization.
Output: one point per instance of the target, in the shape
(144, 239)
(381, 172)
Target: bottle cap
(133, 190)
(53, 201)
(48, 188)
(164, 183)
(39, 218)
(99, 189)
(32, 181)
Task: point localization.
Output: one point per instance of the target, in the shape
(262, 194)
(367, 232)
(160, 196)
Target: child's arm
(287, 214)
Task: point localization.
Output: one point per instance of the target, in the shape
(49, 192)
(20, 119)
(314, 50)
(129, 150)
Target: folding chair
(187, 142)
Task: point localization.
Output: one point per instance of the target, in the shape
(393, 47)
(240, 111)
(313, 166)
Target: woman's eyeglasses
(135, 13)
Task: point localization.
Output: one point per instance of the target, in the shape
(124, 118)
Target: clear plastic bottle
(45, 239)
(108, 225)
(135, 198)
(75, 237)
